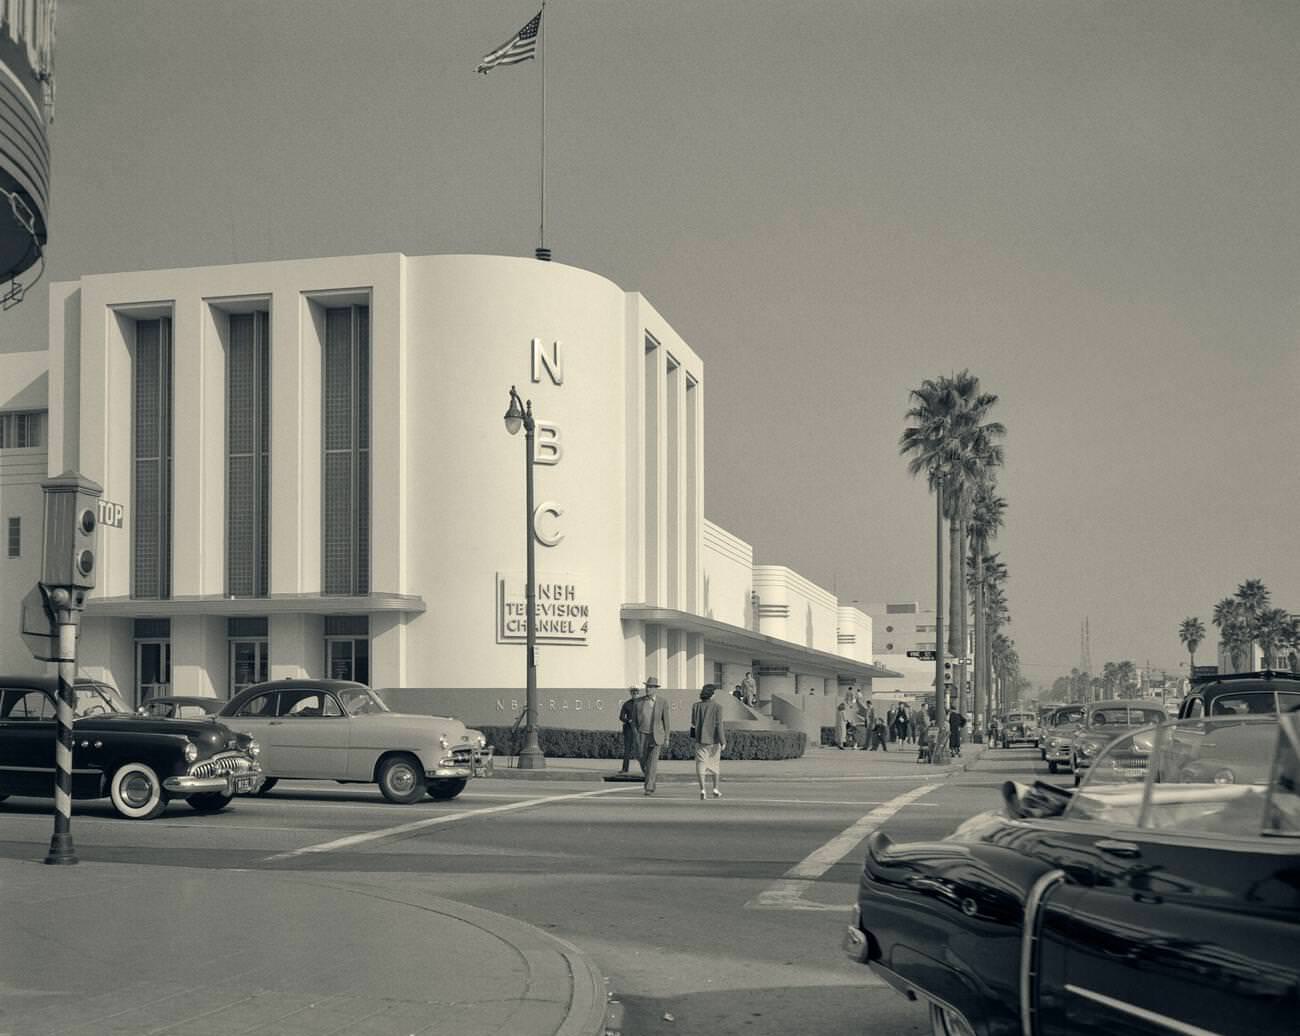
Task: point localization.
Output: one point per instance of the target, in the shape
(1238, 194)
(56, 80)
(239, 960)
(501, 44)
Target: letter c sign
(553, 537)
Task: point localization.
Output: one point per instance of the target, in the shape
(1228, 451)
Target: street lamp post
(520, 414)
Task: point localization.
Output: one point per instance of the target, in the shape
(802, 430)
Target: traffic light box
(71, 516)
(947, 673)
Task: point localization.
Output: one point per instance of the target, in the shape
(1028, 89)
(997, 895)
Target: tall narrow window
(15, 537)
(345, 476)
(248, 456)
(151, 570)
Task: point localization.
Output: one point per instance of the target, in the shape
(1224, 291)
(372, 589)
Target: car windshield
(360, 700)
(1064, 716)
(1123, 716)
(97, 700)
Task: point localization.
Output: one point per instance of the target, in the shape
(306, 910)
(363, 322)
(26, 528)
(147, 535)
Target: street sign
(111, 513)
(36, 625)
(926, 656)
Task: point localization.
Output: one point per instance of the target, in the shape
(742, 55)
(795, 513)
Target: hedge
(558, 743)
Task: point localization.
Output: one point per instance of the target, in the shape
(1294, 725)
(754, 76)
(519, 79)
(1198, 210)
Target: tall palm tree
(986, 517)
(1235, 627)
(1191, 632)
(1290, 646)
(953, 444)
(1126, 677)
(1255, 600)
(1272, 629)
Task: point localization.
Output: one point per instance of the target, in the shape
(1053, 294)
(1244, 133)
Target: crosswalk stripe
(788, 891)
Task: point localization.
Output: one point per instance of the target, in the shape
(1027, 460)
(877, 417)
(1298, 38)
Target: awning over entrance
(757, 645)
(276, 604)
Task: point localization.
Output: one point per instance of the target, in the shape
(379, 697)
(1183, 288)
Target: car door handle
(1115, 847)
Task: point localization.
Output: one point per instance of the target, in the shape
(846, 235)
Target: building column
(297, 644)
(200, 653)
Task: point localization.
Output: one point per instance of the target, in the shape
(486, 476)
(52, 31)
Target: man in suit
(652, 726)
(631, 736)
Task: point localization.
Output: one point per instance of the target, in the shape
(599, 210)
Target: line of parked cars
(207, 751)
(1158, 895)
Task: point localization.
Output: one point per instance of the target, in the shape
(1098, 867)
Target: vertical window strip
(247, 456)
(346, 451)
(15, 537)
(152, 440)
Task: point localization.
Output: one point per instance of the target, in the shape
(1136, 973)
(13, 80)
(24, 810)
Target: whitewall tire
(137, 792)
(401, 779)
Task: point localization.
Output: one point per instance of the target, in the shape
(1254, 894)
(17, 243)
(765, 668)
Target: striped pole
(61, 848)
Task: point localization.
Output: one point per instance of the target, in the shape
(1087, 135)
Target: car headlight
(253, 749)
(191, 751)
(482, 741)
(443, 742)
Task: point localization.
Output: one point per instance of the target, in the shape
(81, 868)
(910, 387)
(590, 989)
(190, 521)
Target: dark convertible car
(1161, 902)
(137, 763)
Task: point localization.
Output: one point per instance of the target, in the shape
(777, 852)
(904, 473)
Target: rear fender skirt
(1029, 938)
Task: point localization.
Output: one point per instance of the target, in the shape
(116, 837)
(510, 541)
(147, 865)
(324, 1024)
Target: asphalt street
(707, 918)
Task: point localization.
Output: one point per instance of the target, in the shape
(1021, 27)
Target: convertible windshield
(360, 700)
(1125, 717)
(97, 700)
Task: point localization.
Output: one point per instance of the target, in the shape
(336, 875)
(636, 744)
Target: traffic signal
(71, 516)
(947, 673)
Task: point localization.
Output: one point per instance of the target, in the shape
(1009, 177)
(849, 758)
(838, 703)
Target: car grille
(463, 755)
(229, 762)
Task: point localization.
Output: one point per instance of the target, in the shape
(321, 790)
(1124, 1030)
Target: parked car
(1103, 721)
(1266, 691)
(178, 707)
(139, 764)
(336, 730)
(1018, 728)
(1062, 723)
(1138, 905)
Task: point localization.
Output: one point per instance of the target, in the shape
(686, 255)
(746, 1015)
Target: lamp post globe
(520, 414)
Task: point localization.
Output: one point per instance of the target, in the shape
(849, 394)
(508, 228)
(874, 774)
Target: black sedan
(137, 763)
(1162, 903)
(180, 707)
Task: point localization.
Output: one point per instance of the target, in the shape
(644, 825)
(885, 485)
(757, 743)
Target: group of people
(644, 718)
(859, 724)
(747, 691)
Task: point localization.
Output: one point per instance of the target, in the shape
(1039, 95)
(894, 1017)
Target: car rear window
(1125, 717)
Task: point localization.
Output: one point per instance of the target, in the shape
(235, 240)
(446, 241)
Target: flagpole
(543, 252)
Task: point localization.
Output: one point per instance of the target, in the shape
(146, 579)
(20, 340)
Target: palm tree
(987, 510)
(1234, 623)
(1126, 677)
(1255, 601)
(1290, 646)
(1272, 629)
(950, 444)
(1191, 632)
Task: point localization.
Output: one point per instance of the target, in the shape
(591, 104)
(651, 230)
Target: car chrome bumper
(1057, 755)
(854, 944)
(446, 769)
(246, 783)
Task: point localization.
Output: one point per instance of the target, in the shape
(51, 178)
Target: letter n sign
(553, 363)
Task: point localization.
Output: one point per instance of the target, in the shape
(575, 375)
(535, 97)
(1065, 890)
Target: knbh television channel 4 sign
(563, 611)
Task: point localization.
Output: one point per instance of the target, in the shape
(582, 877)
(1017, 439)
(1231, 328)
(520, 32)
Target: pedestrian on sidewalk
(749, 689)
(955, 722)
(841, 724)
(631, 736)
(709, 738)
(652, 725)
(881, 735)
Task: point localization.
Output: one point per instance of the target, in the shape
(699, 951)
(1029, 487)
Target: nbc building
(306, 472)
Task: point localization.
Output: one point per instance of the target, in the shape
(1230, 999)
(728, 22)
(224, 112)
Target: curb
(587, 993)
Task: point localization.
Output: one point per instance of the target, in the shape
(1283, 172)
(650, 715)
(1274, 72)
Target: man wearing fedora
(652, 726)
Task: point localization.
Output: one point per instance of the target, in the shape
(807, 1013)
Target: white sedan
(336, 730)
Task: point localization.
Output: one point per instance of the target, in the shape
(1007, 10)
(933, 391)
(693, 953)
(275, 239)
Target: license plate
(1131, 771)
(243, 785)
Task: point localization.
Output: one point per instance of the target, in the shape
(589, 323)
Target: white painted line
(787, 892)
(446, 818)
(733, 801)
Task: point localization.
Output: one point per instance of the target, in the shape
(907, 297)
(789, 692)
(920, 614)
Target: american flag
(520, 47)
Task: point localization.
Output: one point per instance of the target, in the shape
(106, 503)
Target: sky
(1093, 206)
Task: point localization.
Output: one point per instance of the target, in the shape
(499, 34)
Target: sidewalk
(103, 948)
(819, 763)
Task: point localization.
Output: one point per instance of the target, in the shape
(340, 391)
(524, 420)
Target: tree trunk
(954, 590)
(981, 688)
(963, 627)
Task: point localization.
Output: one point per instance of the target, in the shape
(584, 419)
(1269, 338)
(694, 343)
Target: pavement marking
(787, 892)
(815, 802)
(446, 818)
